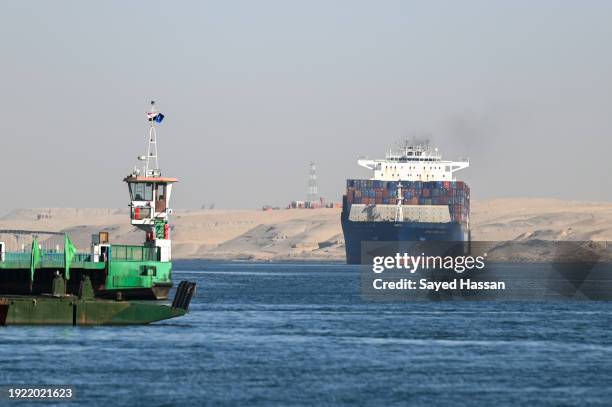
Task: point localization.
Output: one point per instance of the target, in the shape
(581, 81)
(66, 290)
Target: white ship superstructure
(414, 161)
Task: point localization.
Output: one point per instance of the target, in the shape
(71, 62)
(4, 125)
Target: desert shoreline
(300, 235)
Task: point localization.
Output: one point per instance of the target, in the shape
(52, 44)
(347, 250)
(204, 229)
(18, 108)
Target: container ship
(412, 196)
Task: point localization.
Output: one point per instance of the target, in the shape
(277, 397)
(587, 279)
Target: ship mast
(399, 211)
(149, 170)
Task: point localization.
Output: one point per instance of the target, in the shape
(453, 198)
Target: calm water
(300, 334)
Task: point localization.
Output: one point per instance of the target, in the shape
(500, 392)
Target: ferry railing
(21, 259)
(48, 259)
(57, 259)
(81, 258)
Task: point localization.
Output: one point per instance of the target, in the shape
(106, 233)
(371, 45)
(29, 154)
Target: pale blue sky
(255, 90)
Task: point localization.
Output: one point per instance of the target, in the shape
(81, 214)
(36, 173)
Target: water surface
(282, 334)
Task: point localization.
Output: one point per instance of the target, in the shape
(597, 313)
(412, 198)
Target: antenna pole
(152, 152)
(151, 170)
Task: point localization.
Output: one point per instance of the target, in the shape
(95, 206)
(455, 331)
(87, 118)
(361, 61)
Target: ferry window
(139, 190)
(161, 192)
(142, 191)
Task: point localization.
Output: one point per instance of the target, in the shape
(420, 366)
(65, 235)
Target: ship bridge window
(161, 189)
(160, 198)
(141, 191)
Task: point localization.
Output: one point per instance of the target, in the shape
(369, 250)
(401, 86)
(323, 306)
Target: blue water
(300, 334)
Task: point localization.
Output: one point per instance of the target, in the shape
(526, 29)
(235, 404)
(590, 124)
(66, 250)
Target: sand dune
(546, 219)
(309, 233)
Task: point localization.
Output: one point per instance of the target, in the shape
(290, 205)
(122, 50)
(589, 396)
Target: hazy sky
(255, 90)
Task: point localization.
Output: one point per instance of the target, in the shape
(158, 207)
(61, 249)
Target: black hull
(356, 233)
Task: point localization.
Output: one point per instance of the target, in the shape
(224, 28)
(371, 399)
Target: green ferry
(115, 271)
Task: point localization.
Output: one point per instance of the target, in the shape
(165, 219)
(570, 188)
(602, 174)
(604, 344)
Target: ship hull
(84, 309)
(357, 233)
(69, 310)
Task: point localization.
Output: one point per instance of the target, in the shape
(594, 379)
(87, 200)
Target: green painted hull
(137, 280)
(47, 310)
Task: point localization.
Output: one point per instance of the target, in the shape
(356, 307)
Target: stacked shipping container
(454, 194)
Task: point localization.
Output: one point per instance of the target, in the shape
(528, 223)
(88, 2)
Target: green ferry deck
(121, 271)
